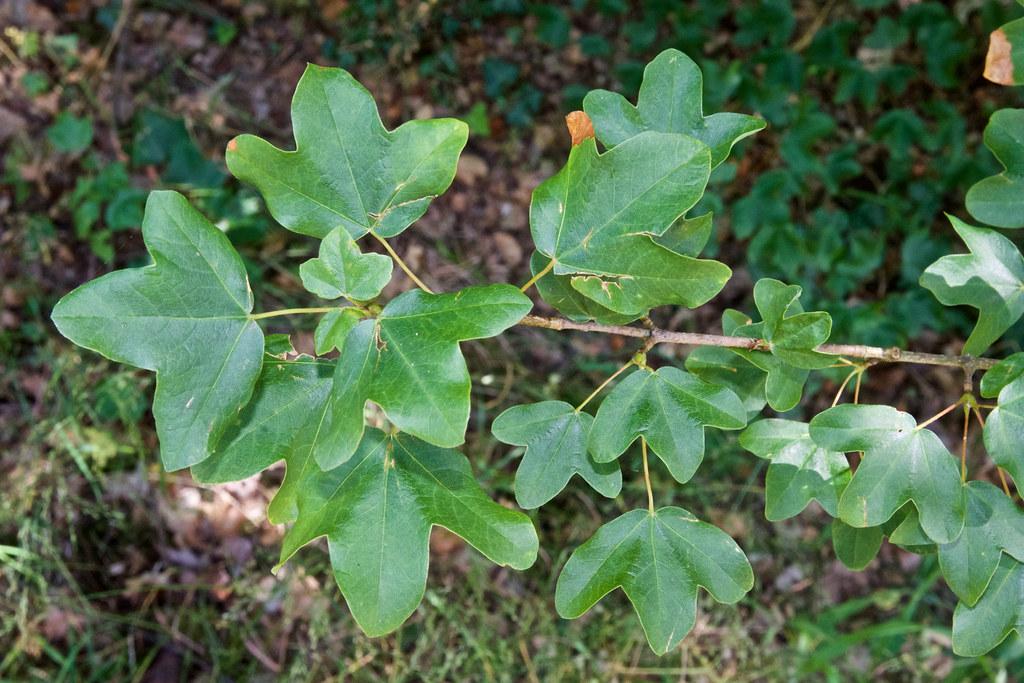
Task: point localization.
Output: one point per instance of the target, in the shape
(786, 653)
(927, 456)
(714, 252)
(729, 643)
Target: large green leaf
(999, 199)
(280, 423)
(902, 463)
(341, 270)
(978, 629)
(800, 470)
(347, 170)
(995, 525)
(408, 362)
(377, 510)
(596, 218)
(990, 278)
(791, 336)
(555, 436)
(1001, 374)
(659, 560)
(670, 409)
(186, 316)
(670, 101)
(1004, 430)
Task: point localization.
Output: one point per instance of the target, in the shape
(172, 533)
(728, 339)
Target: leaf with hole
(186, 316)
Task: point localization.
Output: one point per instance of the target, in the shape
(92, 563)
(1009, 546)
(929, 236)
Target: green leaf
(978, 629)
(186, 317)
(343, 271)
(377, 510)
(670, 101)
(279, 345)
(902, 463)
(1004, 430)
(990, 278)
(408, 362)
(280, 423)
(332, 329)
(558, 292)
(999, 199)
(659, 560)
(670, 409)
(69, 133)
(596, 218)
(800, 471)
(555, 436)
(994, 525)
(722, 367)
(347, 170)
(1000, 375)
(688, 236)
(856, 547)
(792, 337)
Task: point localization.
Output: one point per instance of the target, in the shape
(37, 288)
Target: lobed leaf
(799, 471)
(341, 270)
(347, 170)
(978, 629)
(408, 362)
(377, 510)
(990, 278)
(670, 409)
(1004, 430)
(555, 437)
(999, 200)
(1000, 375)
(670, 101)
(902, 464)
(658, 559)
(186, 316)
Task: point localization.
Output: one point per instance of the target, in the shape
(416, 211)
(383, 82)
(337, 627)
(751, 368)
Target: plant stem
(595, 392)
(401, 264)
(842, 387)
(291, 311)
(533, 280)
(647, 476)
(936, 416)
(963, 444)
(659, 336)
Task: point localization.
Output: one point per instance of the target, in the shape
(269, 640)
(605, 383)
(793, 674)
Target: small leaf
(792, 337)
(670, 408)
(1004, 430)
(994, 525)
(280, 423)
(343, 271)
(596, 218)
(69, 133)
(555, 436)
(901, 464)
(377, 510)
(990, 278)
(347, 170)
(1000, 375)
(856, 547)
(332, 329)
(999, 200)
(978, 629)
(670, 101)
(186, 317)
(659, 560)
(408, 362)
(800, 471)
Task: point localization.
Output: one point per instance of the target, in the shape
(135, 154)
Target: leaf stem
(401, 264)
(647, 475)
(291, 311)
(595, 392)
(963, 444)
(936, 416)
(842, 387)
(658, 336)
(856, 387)
(533, 280)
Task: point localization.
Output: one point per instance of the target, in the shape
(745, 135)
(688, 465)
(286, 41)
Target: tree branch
(876, 353)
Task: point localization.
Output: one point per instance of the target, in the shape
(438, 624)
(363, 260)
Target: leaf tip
(999, 60)
(580, 126)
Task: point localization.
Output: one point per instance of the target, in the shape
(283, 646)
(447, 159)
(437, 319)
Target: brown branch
(658, 336)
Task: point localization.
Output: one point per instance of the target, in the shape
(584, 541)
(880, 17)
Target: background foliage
(875, 113)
